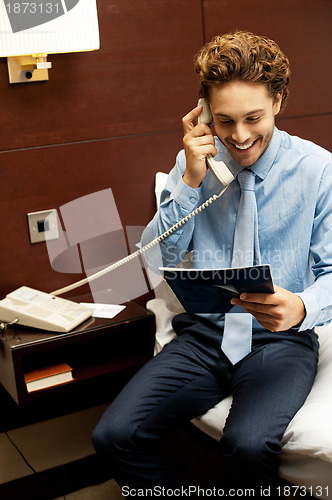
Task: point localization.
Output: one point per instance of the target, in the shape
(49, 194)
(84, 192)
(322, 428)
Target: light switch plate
(43, 225)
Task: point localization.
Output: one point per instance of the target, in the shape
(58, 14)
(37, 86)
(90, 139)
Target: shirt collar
(262, 165)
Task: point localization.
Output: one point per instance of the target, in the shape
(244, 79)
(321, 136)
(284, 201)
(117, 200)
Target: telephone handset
(36, 309)
(217, 167)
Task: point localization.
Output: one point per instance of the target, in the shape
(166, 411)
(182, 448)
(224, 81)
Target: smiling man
(246, 134)
(243, 120)
(245, 80)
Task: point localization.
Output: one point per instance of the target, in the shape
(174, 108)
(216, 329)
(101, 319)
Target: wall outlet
(43, 226)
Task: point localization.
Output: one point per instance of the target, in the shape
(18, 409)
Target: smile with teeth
(247, 146)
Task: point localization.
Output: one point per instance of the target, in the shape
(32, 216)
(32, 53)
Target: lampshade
(48, 27)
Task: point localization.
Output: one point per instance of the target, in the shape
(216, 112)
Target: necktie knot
(246, 180)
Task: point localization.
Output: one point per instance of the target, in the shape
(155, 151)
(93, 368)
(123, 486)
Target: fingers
(268, 322)
(276, 312)
(197, 137)
(189, 120)
(266, 303)
(260, 298)
(198, 142)
(255, 308)
(189, 123)
(270, 317)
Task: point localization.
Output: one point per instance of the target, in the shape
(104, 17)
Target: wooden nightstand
(104, 355)
(95, 349)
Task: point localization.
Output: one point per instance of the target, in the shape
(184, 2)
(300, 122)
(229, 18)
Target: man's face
(243, 118)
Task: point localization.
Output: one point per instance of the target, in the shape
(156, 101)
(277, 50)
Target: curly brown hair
(243, 56)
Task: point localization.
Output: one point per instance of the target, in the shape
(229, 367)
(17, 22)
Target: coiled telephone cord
(140, 251)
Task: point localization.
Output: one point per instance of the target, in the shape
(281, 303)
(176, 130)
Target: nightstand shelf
(97, 348)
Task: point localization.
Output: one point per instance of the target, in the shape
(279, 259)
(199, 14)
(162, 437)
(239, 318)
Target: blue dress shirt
(294, 203)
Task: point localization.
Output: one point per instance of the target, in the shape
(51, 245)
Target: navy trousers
(189, 376)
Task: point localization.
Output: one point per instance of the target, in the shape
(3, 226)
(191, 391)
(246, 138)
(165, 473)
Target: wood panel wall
(112, 118)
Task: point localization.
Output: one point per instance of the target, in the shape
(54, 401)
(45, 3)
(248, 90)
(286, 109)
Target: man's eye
(225, 122)
(254, 118)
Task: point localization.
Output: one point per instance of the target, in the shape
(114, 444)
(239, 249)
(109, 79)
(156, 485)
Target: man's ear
(277, 104)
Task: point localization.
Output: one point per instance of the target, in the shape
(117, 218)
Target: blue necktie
(236, 342)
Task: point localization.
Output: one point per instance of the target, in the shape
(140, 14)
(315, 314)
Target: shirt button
(192, 199)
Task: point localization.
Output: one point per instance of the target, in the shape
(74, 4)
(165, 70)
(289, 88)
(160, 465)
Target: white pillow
(310, 431)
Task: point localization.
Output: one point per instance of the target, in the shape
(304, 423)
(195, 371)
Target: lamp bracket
(32, 68)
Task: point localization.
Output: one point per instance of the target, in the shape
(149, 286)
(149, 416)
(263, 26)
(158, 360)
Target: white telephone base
(29, 307)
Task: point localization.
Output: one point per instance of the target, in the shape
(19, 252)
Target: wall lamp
(31, 30)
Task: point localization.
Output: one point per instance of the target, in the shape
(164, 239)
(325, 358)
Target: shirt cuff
(186, 196)
(313, 311)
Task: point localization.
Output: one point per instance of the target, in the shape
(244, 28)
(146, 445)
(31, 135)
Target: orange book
(41, 378)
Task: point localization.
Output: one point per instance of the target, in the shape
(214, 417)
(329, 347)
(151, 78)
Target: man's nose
(240, 133)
